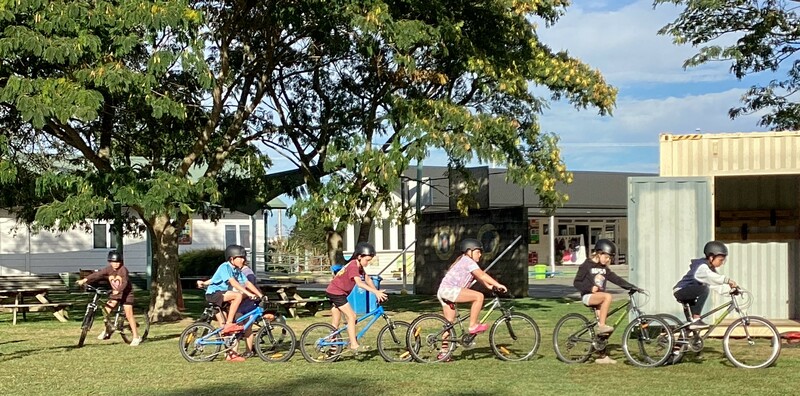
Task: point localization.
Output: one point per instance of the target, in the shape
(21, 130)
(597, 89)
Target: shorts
(126, 298)
(216, 298)
(337, 300)
(449, 294)
(585, 299)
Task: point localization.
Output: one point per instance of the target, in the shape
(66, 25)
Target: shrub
(200, 262)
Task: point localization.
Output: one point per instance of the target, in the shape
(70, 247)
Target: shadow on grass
(4, 357)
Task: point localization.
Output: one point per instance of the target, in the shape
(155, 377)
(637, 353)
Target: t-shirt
(249, 274)
(344, 280)
(460, 274)
(219, 282)
(592, 274)
(118, 280)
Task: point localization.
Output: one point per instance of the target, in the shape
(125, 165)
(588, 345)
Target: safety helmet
(235, 251)
(715, 248)
(364, 249)
(605, 246)
(471, 244)
(115, 256)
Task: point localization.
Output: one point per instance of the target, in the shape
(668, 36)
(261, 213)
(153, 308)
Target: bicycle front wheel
(275, 342)
(142, 327)
(647, 341)
(573, 339)
(751, 342)
(392, 342)
(431, 338)
(319, 344)
(86, 325)
(514, 337)
(197, 345)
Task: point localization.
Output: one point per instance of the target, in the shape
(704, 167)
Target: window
(104, 236)
(387, 234)
(237, 234)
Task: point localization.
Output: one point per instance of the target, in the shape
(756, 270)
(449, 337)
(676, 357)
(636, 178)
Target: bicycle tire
(194, 352)
(393, 342)
(756, 332)
(573, 339)
(517, 344)
(310, 341)
(275, 342)
(647, 341)
(427, 336)
(86, 325)
(681, 338)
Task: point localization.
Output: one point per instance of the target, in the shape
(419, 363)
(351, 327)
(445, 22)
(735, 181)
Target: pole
(552, 244)
(403, 191)
(496, 259)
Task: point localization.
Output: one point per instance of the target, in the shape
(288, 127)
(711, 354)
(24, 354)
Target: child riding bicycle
(121, 292)
(702, 275)
(454, 287)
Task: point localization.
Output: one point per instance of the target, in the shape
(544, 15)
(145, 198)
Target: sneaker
(480, 328)
(605, 360)
(440, 357)
(604, 329)
(234, 357)
(232, 328)
(103, 336)
(248, 354)
(361, 348)
(698, 324)
(136, 341)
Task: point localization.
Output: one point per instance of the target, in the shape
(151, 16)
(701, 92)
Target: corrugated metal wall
(760, 268)
(670, 219)
(730, 154)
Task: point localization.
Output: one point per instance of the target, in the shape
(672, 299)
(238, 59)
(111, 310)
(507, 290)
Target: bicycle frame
(375, 314)
(215, 338)
(728, 307)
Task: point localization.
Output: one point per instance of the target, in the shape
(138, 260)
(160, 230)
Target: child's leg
(336, 316)
(602, 299)
(697, 308)
(476, 300)
(234, 298)
(350, 315)
(131, 320)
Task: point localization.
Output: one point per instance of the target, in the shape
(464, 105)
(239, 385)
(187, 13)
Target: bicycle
(118, 323)
(274, 342)
(434, 339)
(323, 343)
(645, 340)
(748, 342)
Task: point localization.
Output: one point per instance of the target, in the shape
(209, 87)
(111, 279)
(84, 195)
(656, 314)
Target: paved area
(559, 286)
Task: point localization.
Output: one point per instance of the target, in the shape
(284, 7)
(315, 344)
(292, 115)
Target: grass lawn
(39, 356)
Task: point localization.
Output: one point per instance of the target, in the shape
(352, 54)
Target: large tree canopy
(170, 108)
(755, 36)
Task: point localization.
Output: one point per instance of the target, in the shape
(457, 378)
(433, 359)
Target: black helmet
(471, 244)
(235, 251)
(114, 256)
(364, 249)
(605, 246)
(715, 248)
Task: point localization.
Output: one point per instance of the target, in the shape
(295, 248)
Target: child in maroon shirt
(121, 291)
(344, 282)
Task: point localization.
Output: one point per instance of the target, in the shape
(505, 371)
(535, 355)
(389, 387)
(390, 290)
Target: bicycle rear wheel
(86, 325)
(318, 344)
(125, 331)
(431, 338)
(392, 342)
(681, 338)
(647, 341)
(514, 337)
(196, 345)
(573, 339)
(275, 342)
(751, 342)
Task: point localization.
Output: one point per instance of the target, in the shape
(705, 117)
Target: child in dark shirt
(121, 292)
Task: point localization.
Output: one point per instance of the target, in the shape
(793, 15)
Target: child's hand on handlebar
(501, 288)
(381, 296)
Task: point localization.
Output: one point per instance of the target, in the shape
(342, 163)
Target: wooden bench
(287, 297)
(17, 287)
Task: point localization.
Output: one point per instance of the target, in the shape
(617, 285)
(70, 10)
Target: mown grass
(39, 356)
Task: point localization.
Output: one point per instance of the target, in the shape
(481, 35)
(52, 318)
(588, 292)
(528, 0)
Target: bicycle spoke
(431, 338)
(572, 339)
(515, 337)
(751, 342)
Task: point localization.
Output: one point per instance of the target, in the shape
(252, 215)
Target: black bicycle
(113, 321)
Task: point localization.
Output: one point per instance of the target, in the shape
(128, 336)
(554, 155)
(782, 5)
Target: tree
(766, 33)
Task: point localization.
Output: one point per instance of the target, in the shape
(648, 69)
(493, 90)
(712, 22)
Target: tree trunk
(164, 287)
(335, 255)
(366, 226)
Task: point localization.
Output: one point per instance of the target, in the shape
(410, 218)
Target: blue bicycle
(274, 342)
(323, 343)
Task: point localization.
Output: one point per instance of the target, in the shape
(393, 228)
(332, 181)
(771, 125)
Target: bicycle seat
(449, 303)
(687, 302)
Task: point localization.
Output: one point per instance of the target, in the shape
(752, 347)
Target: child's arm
(487, 280)
(253, 288)
(93, 277)
(238, 286)
(381, 296)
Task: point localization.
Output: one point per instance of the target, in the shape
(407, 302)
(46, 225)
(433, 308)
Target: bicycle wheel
(514, 337)
(392, 342)
(275, 342)
(751, 342)
(431, 338)
(318, 344)
(125, 331)
(197, 346)
(86, 325)
(573, 339)
(681, 338)
(647, 341)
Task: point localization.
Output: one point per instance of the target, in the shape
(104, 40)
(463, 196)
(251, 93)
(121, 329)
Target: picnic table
(15, 289)
(289, 298)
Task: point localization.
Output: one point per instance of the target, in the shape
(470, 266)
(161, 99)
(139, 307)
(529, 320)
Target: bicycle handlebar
(96, 289)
